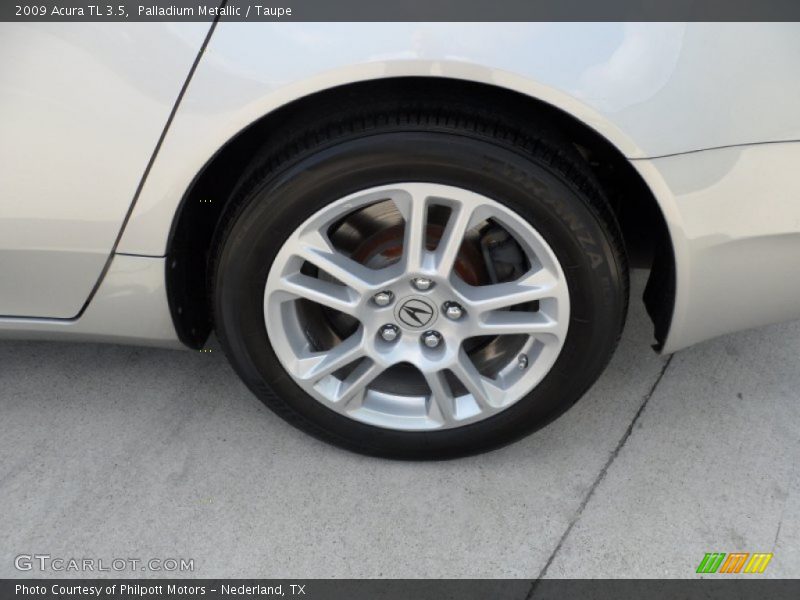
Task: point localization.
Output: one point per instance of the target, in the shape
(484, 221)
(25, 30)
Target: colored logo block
(735, 562)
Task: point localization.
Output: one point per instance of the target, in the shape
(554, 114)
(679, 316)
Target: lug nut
(383, 298)
(453, 311)
(431, 339)
(422, 283)
(390, 332)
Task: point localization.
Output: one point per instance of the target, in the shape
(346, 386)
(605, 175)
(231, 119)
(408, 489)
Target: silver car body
(105, 127)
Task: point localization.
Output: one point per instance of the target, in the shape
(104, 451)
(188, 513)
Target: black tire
(494, 153)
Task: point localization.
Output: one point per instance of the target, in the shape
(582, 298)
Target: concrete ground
(115, 452)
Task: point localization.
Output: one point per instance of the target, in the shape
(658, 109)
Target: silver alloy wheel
(522, 323)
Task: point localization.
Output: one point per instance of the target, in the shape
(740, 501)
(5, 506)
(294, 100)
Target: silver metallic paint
(650, 89)
(130, 307)
(734, 217)
(82, 106)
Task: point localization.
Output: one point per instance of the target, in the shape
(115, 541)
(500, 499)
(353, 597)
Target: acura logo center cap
(415, 312)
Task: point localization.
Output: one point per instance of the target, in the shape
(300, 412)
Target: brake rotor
(385, 247)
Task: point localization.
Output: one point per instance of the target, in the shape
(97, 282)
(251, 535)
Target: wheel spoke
(452, 238)
(354, 387)
(485, 393)
(322, 292)
(441, 404)
(413, 207)
(537, 286)
(316, 365)
(508, 322)
(352, 274)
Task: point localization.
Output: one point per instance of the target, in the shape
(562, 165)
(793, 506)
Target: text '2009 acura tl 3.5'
(412, 239)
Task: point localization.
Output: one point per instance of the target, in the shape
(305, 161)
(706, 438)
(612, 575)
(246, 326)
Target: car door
(82, 108)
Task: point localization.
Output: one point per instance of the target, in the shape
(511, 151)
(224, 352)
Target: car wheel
(419, 283)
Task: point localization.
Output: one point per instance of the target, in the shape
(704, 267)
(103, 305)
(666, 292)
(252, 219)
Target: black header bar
(400, 10)
(717, 587)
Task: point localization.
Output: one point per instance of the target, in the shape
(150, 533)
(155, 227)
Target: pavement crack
(600, 477)
(780, 524)
(777, 534)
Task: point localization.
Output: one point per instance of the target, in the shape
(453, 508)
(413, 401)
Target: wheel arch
(195, 222)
